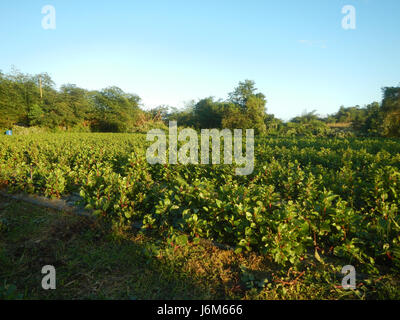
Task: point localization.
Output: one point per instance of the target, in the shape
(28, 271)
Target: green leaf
(181, 240)
(238, 250)
(317, 256)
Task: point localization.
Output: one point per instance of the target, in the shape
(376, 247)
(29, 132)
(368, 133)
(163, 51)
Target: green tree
(208, 113)
(243, 92)
(79, 105)
(35, 115)
(235, 118)
(306, 117)
(248, 110)
(184, 117)
(391, 111)
(115, 110)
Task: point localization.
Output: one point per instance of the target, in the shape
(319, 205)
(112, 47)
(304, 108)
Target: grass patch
(93, 262)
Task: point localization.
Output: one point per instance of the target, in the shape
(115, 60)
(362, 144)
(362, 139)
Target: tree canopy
(33, 100)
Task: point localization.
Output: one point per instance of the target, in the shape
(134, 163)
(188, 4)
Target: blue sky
(169, 52)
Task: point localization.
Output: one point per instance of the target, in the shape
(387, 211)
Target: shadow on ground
(93, 263)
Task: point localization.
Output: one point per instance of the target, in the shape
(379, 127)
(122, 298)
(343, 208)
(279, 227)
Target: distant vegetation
(312, 205)
(33, 101)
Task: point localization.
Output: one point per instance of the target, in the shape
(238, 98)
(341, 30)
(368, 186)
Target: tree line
(33, 101)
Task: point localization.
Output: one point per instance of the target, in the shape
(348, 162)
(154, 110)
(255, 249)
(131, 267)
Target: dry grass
(94, 262)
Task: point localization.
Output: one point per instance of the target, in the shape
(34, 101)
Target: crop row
(327, 197)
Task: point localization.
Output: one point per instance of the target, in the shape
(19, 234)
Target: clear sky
(170, 51)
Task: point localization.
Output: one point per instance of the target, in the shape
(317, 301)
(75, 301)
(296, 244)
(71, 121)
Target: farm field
(310, 207)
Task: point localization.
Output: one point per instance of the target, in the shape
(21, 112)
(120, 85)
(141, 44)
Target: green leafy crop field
(331, 202)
